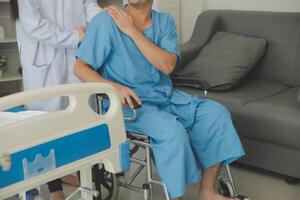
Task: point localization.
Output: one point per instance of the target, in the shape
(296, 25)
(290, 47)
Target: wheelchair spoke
(108, 187)
(108, 177)
(105, 184)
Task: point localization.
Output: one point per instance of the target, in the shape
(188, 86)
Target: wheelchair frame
(144, 143)
(225, 182)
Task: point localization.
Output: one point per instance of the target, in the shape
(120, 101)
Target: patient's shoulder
(164, 20)
(163, 17)
(103, 19)
(102, 16)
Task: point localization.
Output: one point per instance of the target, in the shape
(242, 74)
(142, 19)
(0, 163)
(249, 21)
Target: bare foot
(214, 196)
(71, 180)
(59, 195)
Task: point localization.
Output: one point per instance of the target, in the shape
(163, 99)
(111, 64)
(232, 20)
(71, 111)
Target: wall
(190, 9)
(259, 5)
(104, 3)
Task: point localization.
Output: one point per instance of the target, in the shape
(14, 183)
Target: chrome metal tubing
(132, 187)
(148, 161)
(135, 174)
(138, 161)
(205, 94)
(89, 191)
(139, 143)
(231, 179)
(133, 117)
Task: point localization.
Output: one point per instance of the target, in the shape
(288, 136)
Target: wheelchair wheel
(106, 184)
(291, 180)
(225, 188)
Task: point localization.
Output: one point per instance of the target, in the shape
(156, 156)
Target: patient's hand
(123, 20)
(125, 93)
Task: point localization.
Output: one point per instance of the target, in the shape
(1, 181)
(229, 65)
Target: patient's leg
(174, 157)
(71, 179)
(59, 195)
(208, 183)
(215, 141)
(56, 190)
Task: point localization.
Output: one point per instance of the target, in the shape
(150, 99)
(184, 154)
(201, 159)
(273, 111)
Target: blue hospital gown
(187, 134)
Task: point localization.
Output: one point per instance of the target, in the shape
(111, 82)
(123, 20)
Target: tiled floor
(256, 184)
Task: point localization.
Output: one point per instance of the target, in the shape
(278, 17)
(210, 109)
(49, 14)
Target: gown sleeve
(169, 41)
(42, 29)
(98, 41)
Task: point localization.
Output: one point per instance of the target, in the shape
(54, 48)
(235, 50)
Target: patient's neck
(141, 15)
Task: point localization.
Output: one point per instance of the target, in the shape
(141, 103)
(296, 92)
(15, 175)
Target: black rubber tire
(106, 184)
(292, 180)
(225, 189)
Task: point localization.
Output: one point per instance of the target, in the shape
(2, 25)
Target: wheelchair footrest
(146, 188)
(241, 197)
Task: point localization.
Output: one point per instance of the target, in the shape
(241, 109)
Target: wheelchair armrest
(191, 82)
(101, 97)
(136, 105)
(134, 115)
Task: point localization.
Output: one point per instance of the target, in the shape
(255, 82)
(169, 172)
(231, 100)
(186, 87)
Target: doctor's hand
(125, 94)
(123, 20)
(81, 32)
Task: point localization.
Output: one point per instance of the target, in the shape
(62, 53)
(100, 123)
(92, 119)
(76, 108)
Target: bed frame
(40, 149)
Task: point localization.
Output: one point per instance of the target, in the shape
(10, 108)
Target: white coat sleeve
(91, 9)
(42, 29)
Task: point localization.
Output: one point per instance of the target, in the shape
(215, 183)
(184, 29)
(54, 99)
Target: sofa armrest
(207, 25)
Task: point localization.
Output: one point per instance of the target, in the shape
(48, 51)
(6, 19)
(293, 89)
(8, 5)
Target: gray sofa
(264, 106)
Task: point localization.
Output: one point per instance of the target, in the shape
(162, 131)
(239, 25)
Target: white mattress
(10, 117)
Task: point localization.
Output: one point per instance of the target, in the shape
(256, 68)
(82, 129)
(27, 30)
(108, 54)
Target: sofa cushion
(299, 95)
(249, 91)
(275, 120)
(225, 60)
(268, 113)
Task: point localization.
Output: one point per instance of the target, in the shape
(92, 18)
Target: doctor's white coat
(47, 41)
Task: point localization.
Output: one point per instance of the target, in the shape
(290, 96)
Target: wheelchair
(111, 183)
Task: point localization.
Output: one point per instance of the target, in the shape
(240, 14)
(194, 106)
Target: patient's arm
(158, 57)
(86, 74)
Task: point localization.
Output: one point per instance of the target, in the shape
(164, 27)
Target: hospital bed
(42, 148)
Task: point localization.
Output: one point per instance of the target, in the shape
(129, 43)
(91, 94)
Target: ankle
(207, 193)
(59, 195)
(207, 189)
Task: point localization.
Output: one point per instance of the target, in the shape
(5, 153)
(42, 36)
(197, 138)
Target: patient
(191, 137)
